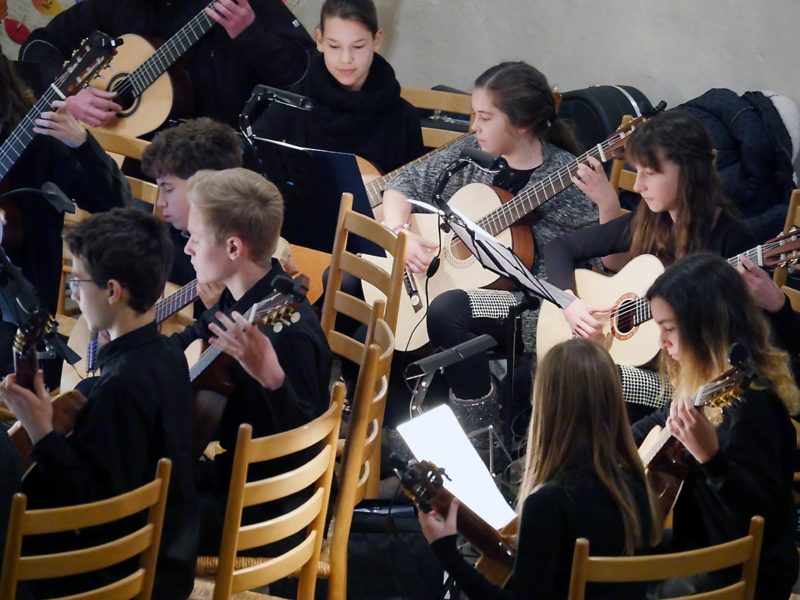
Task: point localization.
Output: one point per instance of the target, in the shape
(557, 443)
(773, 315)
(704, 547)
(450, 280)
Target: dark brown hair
(523, 94)
(362, 11)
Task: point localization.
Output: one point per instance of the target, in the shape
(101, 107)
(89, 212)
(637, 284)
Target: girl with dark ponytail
(515, 117)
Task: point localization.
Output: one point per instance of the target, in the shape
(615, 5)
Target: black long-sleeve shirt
(563, 255)
(553, 517)
(273, 50)
(139, 411)
(751, 474)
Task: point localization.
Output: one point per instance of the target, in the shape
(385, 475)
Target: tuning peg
(277, 327)
(295, 317)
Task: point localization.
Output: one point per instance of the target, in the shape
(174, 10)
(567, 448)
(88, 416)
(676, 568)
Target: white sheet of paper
(436, 436)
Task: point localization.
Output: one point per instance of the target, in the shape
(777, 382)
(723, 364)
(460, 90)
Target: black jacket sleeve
(564, 254)
(542, 528)
(100, 462)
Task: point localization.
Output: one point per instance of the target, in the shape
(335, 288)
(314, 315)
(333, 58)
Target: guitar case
(595, 112)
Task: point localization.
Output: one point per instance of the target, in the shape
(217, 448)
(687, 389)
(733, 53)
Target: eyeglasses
(74, 283)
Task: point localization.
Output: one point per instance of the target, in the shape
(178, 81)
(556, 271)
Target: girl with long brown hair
(583, 478)
(682, 210)
(744, 466)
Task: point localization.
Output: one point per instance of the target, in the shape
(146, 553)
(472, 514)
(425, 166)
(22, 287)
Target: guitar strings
(160, 61)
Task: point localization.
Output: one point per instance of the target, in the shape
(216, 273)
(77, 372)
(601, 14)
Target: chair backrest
(620, 177)
(360, 462)
(119, 146)
(744, 551)
(346, 262)
(439, 102)
(792, 220)
(320, 435)
(144, 541)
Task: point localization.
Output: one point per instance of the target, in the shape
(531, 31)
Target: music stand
(312, 182)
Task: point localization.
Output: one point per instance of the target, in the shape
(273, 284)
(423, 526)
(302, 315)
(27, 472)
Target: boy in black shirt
(139, 410)
(280, 379)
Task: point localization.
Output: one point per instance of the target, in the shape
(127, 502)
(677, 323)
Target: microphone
(280, 96)
(448, 357)
(57, 198)
(483, 160)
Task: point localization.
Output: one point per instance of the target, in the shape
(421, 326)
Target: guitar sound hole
(625, 317)
(125, 96)
(458, 250)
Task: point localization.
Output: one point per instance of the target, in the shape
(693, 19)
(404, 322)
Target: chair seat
(204, 590)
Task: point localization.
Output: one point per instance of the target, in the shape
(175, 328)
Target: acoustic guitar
(210, 373)
(499, 214)
(665, 458)
(423, 483)
(630, 335)
(87, 344)
(93, 56)
(38, 326)
(139, 76)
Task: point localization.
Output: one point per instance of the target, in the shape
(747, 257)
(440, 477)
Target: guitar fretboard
(18, 141)
(169, 52)
(376, 186)
(543, 190)
(176, 301)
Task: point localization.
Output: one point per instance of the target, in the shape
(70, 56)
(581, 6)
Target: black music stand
(312, 182)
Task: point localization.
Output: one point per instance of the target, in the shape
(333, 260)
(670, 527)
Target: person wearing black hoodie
(357, 104)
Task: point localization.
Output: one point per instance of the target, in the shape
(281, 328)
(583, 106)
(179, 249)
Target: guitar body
(157, 98)
(458, 268)
(635, 345)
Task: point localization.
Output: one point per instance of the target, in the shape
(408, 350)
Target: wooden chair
(781, 273)
(120, 146)
(359, 471)
(744, 551)
(345, 262)
(439, 102)
(236, 574)
(144, 541)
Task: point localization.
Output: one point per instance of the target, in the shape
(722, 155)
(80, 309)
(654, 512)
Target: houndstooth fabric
(642, 386)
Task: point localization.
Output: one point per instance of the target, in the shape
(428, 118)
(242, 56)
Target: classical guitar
(93, 56)
(630, 335)
(665, 458)
(377, 184)
(494, 210)
(87, 345)
(210, 373)
(38, 326)
(423, 483)
(139, 76)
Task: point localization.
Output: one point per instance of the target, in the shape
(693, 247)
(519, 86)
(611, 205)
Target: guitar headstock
(421, 481)
(728, 388)
(783, 250)
(615, 144)
(86, 62)
(280, 308)
(29, 334)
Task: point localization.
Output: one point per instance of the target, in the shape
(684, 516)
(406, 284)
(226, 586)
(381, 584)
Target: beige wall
(670, 49)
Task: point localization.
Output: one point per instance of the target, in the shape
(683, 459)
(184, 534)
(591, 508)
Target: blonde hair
(239, 202)
(579, 414)
(713, 309)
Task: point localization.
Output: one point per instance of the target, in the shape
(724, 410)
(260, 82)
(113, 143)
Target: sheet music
(470, 480)
(499, 259)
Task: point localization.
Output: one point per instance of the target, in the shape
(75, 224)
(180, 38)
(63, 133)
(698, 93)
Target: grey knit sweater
(565, 212)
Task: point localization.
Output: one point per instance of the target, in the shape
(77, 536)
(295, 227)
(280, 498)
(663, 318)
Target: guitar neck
(376, 186)
(170, 51)
(483, 537)
(16, 143)
(176, 301)
(532, 197)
